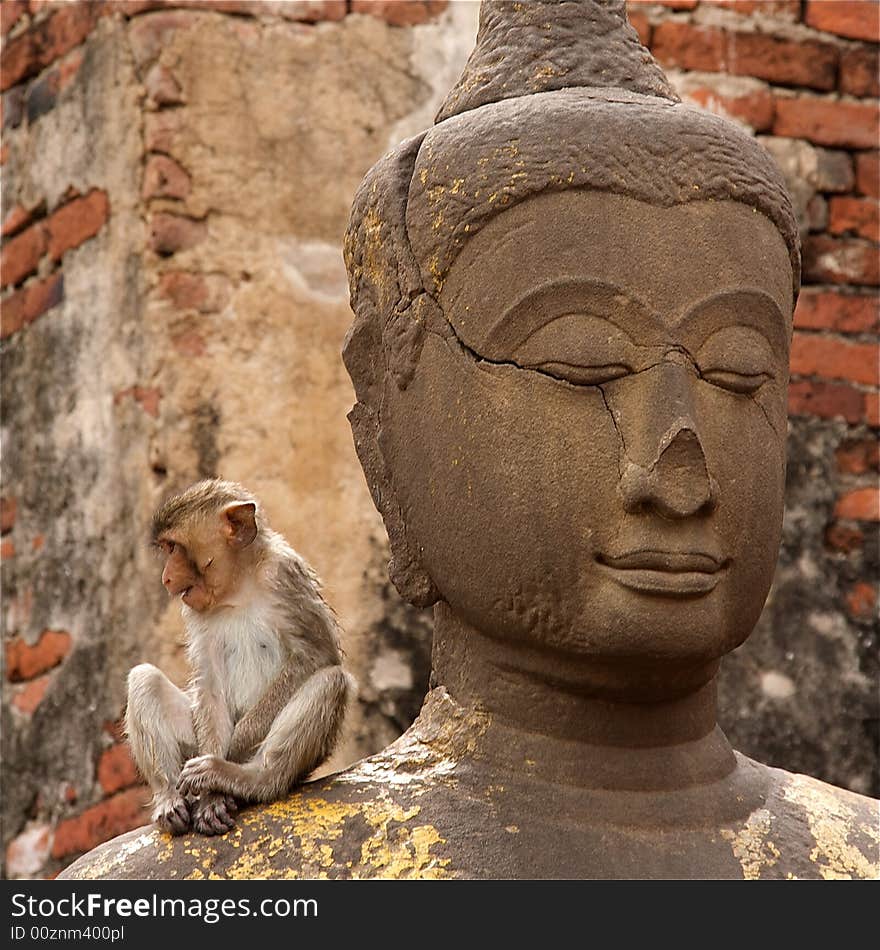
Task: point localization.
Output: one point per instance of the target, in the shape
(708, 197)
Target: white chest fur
(241, 648)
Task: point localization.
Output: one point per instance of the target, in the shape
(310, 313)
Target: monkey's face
(204, 562)
(184, 576)
(594, 463)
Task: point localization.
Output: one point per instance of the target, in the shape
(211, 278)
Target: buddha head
(573, 302)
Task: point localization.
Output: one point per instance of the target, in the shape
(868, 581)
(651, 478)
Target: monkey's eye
(208, 563)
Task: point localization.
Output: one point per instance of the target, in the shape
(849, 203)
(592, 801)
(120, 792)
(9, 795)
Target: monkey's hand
(214, 813)
(172, 814)
(200, 775)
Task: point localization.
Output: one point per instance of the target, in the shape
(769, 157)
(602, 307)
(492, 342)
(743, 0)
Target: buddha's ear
(405, 568)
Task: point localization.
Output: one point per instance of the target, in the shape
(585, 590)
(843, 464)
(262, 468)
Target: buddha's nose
(664, 468)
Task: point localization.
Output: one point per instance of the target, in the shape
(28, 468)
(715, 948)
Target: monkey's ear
(240, 524)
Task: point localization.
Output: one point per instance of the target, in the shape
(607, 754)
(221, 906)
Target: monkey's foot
(172, 814)
(214, 813)
(202, 774)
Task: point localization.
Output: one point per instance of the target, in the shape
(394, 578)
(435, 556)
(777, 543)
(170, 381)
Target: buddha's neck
(542, 708)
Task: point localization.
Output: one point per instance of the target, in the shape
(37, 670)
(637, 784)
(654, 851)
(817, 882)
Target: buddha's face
(594, 462)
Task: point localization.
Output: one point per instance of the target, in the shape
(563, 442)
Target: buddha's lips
(672, 562)
(665, 573)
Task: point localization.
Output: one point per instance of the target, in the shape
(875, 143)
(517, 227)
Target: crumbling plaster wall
(195, 330)
(176, 181)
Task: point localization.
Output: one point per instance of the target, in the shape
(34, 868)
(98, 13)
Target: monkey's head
(207, 536)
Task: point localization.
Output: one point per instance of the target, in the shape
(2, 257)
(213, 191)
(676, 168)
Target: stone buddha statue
(573, 302)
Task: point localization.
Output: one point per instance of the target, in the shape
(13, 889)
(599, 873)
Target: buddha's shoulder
(365, 821)
(806, 828)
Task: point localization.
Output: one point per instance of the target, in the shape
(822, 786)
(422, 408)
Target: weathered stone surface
(435, 805)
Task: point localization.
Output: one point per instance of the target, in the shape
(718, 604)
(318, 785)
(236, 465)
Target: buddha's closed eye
(736, 358)
(579, 348)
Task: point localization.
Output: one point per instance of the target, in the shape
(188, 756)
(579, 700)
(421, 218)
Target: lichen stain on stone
(751, 845)
(402, 852)
(407, 855)
(830, 821)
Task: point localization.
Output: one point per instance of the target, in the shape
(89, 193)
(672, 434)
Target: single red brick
(161, 128)
(148, 397)
(77, 221)
(828, 122)
(868, 173)
(845, 538)
(858, 215)
(164, 178)
(7, 513)
(19, 61)
(639, 22)
(755, 108)
(401, 14)
(858, 456)
(871, 414)
(11, 12)
(185, 290)
(7, 550)
(189, 343)
(30, 696)
(24, 662)
(860, 504)
(835, 310)
(857, 19)
(825, 400)
(151, 33)
(307, 11)
(162, 88)
(111, 817)
(861, 600)
(116, 770)
(860, 71)
(690, 47)
(170, 233)
(833, 260)
(30, 302)
(808, 63)
(785, 62)
(21, 255)
(313, 11)
(818, 355)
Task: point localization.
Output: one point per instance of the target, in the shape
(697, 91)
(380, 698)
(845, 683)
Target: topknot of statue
(544, 45)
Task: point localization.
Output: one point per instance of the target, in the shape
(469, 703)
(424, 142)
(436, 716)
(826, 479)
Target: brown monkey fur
(268, 693)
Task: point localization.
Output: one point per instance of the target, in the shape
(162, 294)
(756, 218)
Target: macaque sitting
(268, 693)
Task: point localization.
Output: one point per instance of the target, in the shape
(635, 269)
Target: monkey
(265, 703)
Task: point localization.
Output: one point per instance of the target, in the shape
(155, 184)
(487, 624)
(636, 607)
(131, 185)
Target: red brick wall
(817, 69)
